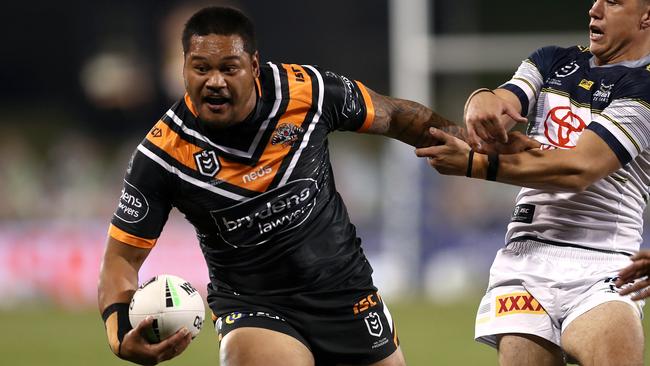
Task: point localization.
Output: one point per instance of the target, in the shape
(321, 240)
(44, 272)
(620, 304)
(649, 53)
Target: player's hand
(639, 270)
(485, 118)
(137, 349)
(517, 142)
(449, 157)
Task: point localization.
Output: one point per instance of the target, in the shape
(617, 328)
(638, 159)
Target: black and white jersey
(565, 93)
(261, 193)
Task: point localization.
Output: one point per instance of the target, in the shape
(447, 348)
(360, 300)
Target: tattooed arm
(409, 121)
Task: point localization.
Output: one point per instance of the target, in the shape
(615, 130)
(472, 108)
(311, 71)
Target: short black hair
(221, 21)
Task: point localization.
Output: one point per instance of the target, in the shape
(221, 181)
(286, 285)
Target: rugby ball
(172, 302)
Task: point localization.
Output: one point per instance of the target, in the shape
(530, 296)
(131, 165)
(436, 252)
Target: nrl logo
(286, 134)
(207, 162)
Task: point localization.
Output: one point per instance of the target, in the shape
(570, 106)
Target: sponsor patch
(257, 220)
(364, 304)
(562, 127)
(351, 106)
(133, 206)
(518, 303)
(586, 84)
(523, 213)
(255, 174)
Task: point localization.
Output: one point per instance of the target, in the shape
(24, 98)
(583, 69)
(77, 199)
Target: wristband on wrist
(477, 91)
(117, 323)
(470, 161)
(493, 167)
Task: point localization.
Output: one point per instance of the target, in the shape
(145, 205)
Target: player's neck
(631, 52)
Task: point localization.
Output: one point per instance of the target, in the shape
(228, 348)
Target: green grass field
(430, 335)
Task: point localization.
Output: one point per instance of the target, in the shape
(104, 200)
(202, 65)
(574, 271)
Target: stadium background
(82, 82)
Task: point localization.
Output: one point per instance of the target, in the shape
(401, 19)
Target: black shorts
(351, 326)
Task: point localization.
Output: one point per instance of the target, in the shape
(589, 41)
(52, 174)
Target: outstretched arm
(563, 170)
(118, 281)
(409, 121)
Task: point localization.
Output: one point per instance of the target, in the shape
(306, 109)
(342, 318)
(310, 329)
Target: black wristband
(470, 161)
(493, 167)
(123, 322)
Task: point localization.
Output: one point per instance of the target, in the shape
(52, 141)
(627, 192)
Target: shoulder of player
(550, 57)
(636, 82)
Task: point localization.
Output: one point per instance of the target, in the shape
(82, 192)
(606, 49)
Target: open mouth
(215, 100)
(595, 32)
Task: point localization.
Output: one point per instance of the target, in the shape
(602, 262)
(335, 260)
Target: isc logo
(365, 304)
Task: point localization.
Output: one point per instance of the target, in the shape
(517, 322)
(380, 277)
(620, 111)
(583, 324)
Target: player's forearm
(555, 170)
(409, 121)
(118, 276)
(117, 282)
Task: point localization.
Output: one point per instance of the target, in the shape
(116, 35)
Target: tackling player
(552, 289)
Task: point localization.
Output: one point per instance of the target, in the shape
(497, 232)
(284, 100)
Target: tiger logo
(286, 134)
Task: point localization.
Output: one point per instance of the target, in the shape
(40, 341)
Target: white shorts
(537, 288)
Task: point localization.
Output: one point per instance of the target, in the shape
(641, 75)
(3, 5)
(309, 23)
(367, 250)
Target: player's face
(220, 78)
(618, 30)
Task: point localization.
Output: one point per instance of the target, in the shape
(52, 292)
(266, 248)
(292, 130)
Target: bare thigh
(609, 334)
(249, 346)
(528, 350)
(395, 359)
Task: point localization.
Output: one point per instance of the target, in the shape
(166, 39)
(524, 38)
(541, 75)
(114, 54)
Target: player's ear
(645, 19)
(255, 64)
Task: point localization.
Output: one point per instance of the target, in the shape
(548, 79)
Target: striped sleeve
(526, 85)
(625, 123)
(625, 126)
(527, 81)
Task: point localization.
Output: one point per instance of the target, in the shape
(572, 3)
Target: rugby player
(244, 156)
(552, 295)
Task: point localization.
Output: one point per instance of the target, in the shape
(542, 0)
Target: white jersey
(563, 92)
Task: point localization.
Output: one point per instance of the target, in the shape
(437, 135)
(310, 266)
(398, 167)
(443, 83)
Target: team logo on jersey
(286, 134)
(133, 206)
(604, 92)
(586, 84)
(567, 69)
(207, 162)
(518, 303)
(373, 323)
(562, 127)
